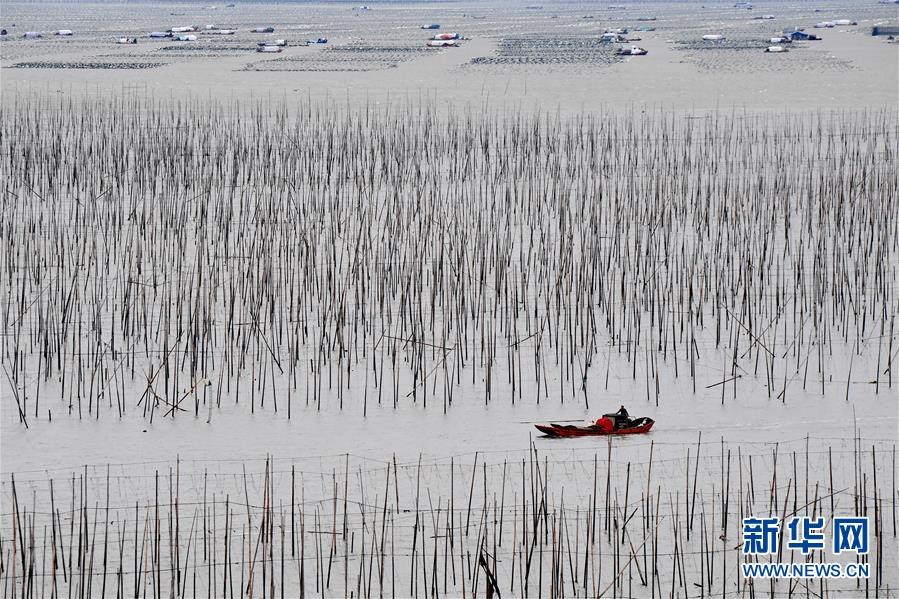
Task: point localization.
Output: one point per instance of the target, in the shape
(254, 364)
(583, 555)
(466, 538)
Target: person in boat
(616, 421)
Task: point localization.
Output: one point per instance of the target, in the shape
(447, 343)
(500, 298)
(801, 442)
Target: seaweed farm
(533, 524)
(265, 348)
(269, 257)
(554, 50)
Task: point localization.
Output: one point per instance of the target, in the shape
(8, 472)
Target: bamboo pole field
(203, 270)
(169, 257)
(521, 524)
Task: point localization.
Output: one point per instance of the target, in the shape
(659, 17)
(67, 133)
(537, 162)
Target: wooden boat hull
(558, 430)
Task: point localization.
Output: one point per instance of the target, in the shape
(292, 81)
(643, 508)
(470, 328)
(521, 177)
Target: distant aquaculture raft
(352, 57)
(46, 64)
(542, 50)
(354, 258)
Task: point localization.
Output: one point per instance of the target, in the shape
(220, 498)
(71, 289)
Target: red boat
(635, 427)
